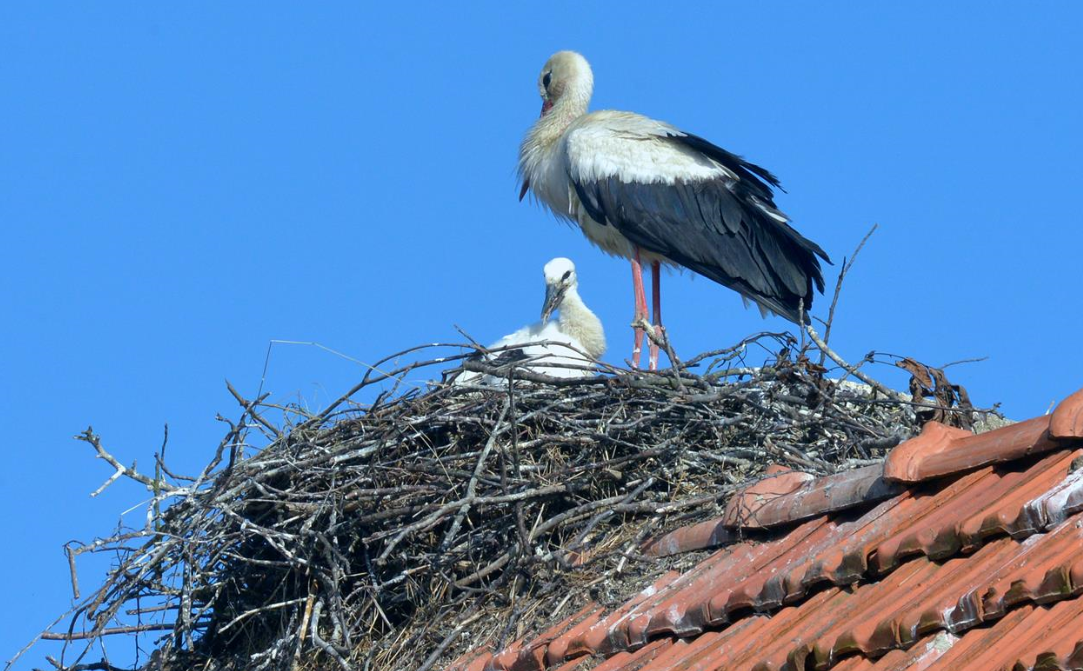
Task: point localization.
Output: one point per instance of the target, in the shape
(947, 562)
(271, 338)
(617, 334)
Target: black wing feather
(739, 166)
(716, 228)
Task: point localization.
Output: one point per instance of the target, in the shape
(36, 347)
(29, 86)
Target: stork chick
(576, 321)
(550, 346)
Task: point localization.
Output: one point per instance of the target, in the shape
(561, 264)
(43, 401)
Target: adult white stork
(553, 346)
(645, 190)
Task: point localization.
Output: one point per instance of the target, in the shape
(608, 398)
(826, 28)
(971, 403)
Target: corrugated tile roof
(961, 551)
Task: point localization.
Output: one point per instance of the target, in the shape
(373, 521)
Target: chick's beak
(554, 294)
(546, 106)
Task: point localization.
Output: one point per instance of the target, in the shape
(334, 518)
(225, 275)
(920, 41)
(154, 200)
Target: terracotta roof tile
(608, 635)
(522, 654)
(940, 450)
(934, 454)
(821, 495)
(776, 468)
(557, 649)
(576, 663)
(748, 501)
(689, 539)
(1021, 640)
(632, 661)
(904, 461)
(1067, 419)
(474, 660)
(980, 568)
(915, 609)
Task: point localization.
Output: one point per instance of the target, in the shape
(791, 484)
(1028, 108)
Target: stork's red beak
(546, 106)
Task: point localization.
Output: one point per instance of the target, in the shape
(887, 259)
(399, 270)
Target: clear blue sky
(180, 185)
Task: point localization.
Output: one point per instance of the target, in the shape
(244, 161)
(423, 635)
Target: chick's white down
(563, 347)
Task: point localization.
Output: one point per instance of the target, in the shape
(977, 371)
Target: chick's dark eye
(546, 79)
(567, 274)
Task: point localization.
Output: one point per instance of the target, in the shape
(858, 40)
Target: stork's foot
(656, 334)
(658, 340)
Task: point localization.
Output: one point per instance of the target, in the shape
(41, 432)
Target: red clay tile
(1062, 500)
(980, 504)
(634, 661)
(957, 601)
(744, 505)
(782, 579)
(963, 514)
(946, 600)
(904, 460)
(971, 650)
(1029, 638)
(607, 634)
(1049, 505)
(919, 598)
(707, 534)
(611, 634)
(873, 541)
(1041, 571)
(675, 611)
(481, 663)
(474, 660)
(576, 663)
(1067, 419)
(679, 608)
(874, 626)
(919, 657)
(823, 495)
(508, 659)
(1008, 443)
(925, 654)
(775, 469)
(941, 451)
(557, 650)
(1010, 504)
(739, 583)
(1061, 646)
(523, 656)
(682, 654)
(786, 640)
(713, 649)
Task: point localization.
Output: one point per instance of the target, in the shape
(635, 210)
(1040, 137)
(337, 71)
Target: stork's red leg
(656, 291)
(641, 309)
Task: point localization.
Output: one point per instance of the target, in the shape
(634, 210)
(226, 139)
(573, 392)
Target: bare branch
(94, 441)
(843, 269)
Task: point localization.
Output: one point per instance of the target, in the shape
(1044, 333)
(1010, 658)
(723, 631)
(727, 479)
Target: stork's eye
(546, 79)
(567, 274)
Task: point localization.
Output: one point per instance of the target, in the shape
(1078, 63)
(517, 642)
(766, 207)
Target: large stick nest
(395, 535)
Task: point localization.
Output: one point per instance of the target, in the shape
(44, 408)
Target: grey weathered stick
(845, 268)
(852, 370)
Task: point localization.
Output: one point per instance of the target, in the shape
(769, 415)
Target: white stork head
(559, 280)
(566, 75)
